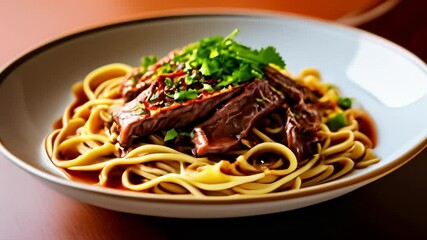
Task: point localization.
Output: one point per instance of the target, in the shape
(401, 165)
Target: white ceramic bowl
(388, 81)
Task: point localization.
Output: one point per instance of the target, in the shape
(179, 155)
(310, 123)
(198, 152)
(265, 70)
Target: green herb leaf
(141, 108)
(154, 96)
(148, 61)
(205, 69)
(165, 68)
(168, 82)
(214, 53)
(190, 79)
(227, 80)
(270, 55)
(186, 95)
(242, 74)
(171, 134)
(336, 122)
(263, 57)
(208, 87)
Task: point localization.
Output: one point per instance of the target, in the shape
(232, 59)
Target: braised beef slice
(229, 124)
(299, 132)
(302, 120)
(133, 123)
(295, 93)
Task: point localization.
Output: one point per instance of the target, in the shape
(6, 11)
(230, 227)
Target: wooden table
(394, 207)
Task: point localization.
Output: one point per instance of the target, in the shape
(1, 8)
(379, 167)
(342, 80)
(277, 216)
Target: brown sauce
(367, 126)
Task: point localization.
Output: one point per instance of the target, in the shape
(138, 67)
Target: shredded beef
(224, 129)
(302, 120)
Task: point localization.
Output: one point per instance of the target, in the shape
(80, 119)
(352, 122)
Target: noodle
(84, 144)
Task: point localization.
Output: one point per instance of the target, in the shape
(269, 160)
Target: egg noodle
(82, 145)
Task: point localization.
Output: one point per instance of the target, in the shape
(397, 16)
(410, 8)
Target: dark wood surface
(405, 24)
(393, 207)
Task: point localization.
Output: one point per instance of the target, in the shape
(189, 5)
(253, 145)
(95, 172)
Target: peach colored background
(26, 24)
(392, 207)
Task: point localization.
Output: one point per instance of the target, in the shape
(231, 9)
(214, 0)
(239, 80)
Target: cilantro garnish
(228, 60)
(185, 95)
(154, 97)
(148, 61)
(168, 82)
(210, 64)
(208, 87)
(141, 108)
(191, 79)
(165, 68)
(171, 134)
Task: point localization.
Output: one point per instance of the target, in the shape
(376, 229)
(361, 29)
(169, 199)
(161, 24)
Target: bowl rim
(181, 14)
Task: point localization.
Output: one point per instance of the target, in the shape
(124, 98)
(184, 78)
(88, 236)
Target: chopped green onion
(186, 95)
(336, 122)
(208, 87)
(141, 108)
(190, 79)
(345, 103)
